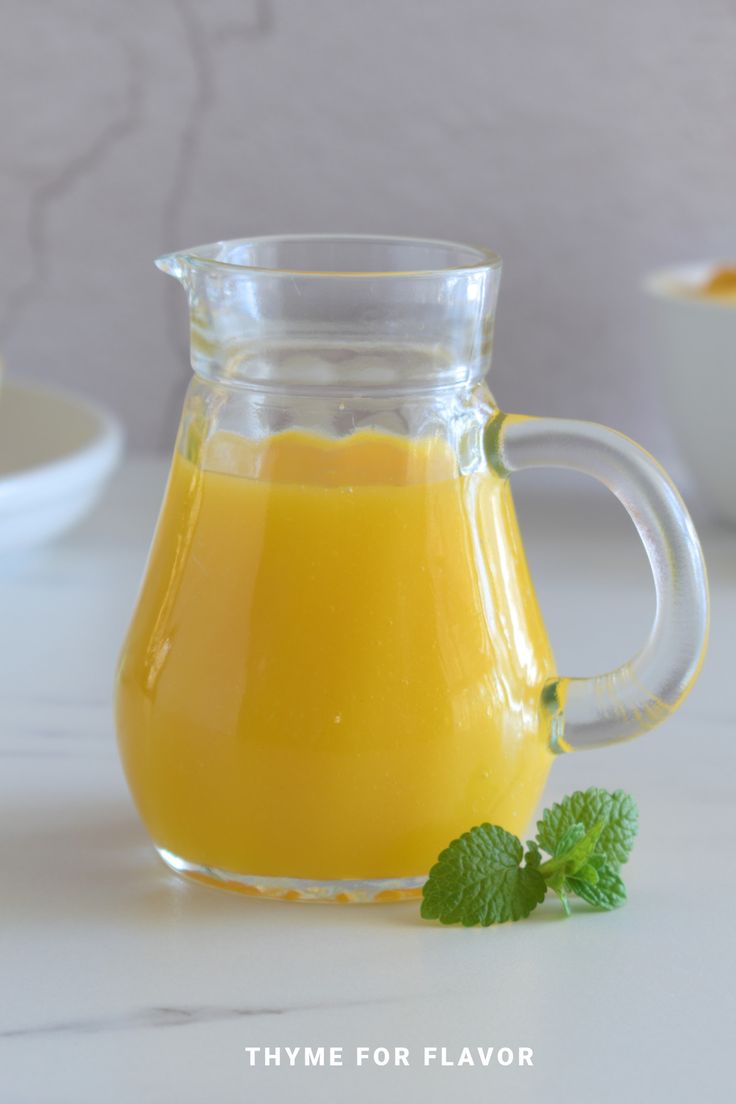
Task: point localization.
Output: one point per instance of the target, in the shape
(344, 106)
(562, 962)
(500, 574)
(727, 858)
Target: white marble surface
(122, 983)
(585, 142)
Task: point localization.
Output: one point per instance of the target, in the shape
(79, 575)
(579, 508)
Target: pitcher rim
(196, 256)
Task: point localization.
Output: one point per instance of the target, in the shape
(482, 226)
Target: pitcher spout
(174, 264)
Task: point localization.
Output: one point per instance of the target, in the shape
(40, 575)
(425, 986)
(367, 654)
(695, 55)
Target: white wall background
(586, 141)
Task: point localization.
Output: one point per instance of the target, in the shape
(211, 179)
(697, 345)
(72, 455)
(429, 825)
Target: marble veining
(64, 177)
(137, 127)
(201, 45)
(186, 1016)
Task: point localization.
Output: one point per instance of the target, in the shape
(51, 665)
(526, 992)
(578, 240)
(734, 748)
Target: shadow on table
(94, 863)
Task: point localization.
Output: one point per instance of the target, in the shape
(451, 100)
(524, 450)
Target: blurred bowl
(56, 453)
(697, 353)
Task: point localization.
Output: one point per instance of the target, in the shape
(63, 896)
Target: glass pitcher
(337, 663)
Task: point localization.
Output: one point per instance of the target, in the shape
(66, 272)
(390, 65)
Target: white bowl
(697, 352)
(56, 453)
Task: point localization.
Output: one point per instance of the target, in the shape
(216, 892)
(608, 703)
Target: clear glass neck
(339, 314)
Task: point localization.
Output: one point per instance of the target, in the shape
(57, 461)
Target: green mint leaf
(479, 879)
(569, 838)
(609, 892)
(589, 873)
(618, 837)
(533, 855)
(617, 811)
(574, 850)
(582, 807)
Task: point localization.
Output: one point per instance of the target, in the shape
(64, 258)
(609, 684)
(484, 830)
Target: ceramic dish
(696, 349)
(56, 453)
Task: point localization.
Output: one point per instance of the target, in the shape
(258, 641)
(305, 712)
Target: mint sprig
(486, 877)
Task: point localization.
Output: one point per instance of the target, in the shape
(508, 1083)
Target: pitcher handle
(605, 709)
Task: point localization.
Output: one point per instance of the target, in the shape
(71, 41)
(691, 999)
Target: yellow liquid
(336, 661)
(721, 287)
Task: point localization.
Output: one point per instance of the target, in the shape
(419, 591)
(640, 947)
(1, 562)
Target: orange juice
(720, 287)
(336, 661)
